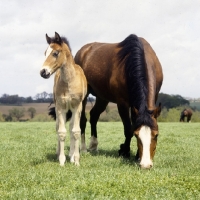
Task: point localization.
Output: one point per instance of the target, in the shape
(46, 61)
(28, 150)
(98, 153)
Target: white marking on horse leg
(145, 137)
(93, 144)
(83, 144)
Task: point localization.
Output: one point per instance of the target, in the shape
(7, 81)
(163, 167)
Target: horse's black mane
(64, 39)
(132, 54)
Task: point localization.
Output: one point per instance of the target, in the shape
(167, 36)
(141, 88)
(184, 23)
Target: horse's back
(99, 61)
(105, 73)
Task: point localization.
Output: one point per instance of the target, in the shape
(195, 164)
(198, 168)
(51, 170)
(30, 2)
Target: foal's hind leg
(99, 107)
(83, 122)
(75, 132)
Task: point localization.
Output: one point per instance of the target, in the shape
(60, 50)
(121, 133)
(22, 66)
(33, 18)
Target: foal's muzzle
(44, 73)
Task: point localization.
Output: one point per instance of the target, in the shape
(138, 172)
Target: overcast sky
(172, 27)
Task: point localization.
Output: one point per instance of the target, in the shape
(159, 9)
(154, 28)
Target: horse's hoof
(124, 151)
(84, 150)
(93, 149)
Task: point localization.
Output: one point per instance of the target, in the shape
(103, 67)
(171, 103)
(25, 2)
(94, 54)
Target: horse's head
(55, 55)
(147, 139)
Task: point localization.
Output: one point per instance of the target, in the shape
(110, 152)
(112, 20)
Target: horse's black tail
(52, 113)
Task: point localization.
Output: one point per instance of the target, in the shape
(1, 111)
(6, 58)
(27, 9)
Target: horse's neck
(67, 72)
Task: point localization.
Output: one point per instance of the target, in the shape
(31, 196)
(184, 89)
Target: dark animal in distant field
(186, 113)
(128, 74)
(70, 88)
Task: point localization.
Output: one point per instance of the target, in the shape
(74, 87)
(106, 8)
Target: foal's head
(57, 55)
(147, 139)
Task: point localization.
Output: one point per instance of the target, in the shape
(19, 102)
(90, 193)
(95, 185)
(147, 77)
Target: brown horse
(186, 113)
(70, 88)
(128, 74)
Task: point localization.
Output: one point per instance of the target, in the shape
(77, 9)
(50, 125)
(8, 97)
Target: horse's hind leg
(99, 107)
(75, 132)
(83, 122)
(61, 130)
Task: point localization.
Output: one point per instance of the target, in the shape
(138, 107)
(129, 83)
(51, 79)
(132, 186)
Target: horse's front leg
(128, 130)
(75, 133)
(61, 131)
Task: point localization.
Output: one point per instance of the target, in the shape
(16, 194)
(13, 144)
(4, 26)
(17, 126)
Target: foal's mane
(132, 54)
(64, 39)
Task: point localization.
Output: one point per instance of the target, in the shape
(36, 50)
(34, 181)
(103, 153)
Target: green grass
(29, 168)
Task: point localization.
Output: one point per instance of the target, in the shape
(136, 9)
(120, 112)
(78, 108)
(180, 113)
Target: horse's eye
(156, 136)
(55, 54)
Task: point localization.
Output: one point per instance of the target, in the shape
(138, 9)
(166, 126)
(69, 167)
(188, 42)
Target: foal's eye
(55, 54)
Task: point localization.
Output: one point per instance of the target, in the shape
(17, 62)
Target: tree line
(168, 101)
(43, 97)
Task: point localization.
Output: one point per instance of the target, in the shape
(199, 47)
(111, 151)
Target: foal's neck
(67, 71)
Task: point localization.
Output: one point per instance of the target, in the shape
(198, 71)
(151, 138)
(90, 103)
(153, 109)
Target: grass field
(29, 168)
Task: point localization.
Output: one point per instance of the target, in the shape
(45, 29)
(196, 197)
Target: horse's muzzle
(44, 73)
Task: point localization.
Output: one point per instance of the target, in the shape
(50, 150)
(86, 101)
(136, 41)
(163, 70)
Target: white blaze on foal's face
(144, 136)
(47, 53)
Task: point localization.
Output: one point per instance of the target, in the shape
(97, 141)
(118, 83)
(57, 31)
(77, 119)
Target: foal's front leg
(75, 133)
(61, 131)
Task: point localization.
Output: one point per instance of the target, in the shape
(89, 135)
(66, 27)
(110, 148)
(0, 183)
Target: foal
(70, 88)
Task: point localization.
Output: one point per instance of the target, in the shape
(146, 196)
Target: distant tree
(44, 95)
(11, 99)
(51, 95)
(16, 113)
(29, 100)
(171, 101)
(31, 112)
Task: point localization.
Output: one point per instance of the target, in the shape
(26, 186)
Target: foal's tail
(52, 113)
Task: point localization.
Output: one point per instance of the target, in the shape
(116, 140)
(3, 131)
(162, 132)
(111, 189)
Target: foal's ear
(58, 38)
(157, 111)
(48, 39)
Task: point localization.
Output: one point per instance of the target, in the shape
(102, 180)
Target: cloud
(171, 27)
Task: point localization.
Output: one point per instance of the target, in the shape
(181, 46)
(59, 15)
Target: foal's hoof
(74, 160)
(62, 160)
(77, 164)
(124, 151)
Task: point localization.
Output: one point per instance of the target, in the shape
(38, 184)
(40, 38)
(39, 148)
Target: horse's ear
(48, 39)
(157, 111)
(58, 38)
